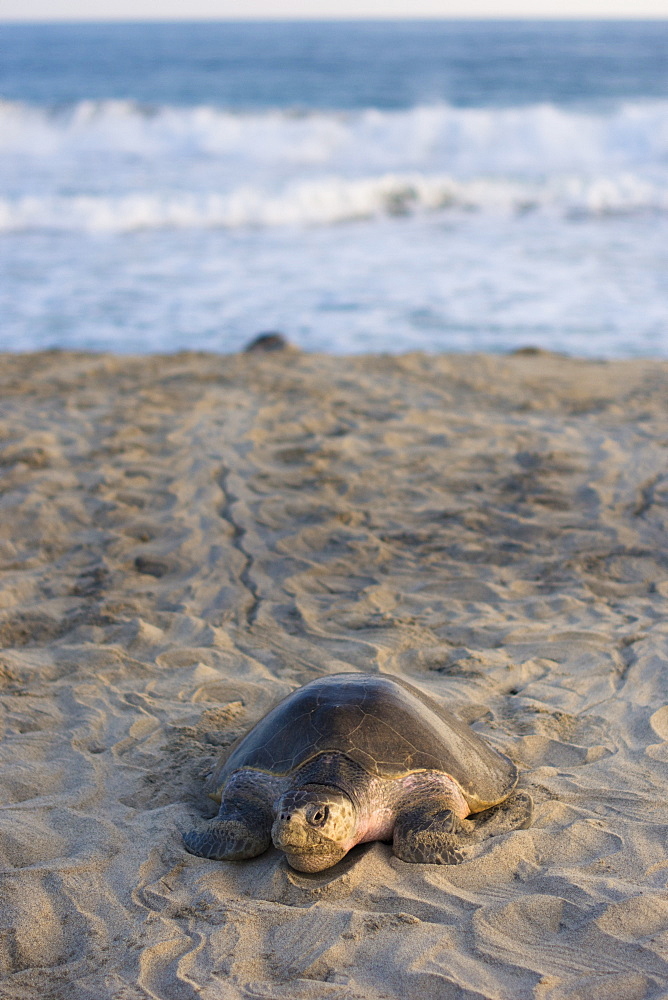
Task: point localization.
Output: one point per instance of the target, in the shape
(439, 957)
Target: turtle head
(314, 826)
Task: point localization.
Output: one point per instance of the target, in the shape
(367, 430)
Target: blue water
(362, 186)
(335, 65)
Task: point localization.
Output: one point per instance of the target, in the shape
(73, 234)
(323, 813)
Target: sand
(185, 539)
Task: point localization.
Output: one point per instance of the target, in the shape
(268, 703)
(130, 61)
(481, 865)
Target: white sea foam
(536, 138)
(471, 227)
(332, 200)
(117, 166)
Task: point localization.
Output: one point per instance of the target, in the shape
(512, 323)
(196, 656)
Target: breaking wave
(329, 201)
(120, 166)
(537, 137)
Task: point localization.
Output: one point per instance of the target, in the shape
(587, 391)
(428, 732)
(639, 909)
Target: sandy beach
(185, 539)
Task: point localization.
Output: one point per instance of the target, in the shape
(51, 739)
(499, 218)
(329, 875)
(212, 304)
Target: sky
(49, 10)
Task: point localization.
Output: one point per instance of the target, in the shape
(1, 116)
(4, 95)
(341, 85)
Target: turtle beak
(305, 848)
(306, 862)
(313, 825)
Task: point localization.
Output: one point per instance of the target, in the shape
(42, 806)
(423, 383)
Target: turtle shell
(382, 723)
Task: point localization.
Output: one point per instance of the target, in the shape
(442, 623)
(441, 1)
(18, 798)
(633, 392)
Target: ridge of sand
(184, 539)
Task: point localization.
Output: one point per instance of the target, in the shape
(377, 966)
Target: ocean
(358, 186)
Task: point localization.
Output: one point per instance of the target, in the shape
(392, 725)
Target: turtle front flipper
(242, 829)
(430, 833)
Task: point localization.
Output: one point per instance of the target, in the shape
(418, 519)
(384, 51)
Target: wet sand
(185, 539)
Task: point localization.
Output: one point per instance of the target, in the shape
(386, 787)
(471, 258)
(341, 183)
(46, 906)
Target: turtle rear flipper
(239, 831)
(515, 813)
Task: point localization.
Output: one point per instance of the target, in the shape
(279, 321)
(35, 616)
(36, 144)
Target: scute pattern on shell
(384, 724)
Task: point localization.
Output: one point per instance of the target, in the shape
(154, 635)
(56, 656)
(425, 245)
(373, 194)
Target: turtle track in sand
(186, 539)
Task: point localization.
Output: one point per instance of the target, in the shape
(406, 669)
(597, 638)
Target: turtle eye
(318, 815)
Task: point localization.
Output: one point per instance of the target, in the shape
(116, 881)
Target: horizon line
(343, 18)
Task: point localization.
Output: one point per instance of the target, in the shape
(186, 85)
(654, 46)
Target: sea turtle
(351, 758)
(268, 342)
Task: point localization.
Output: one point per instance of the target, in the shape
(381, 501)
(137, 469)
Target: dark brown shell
(382, 723)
